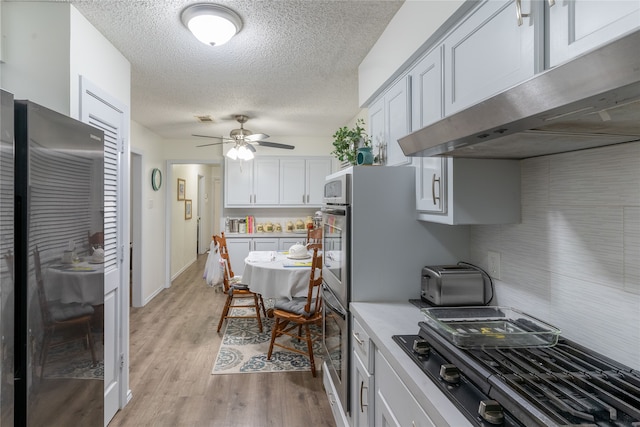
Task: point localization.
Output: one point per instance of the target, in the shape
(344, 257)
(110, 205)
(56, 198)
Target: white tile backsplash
(574, 260)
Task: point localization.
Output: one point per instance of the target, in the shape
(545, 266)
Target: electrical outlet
(494, 264)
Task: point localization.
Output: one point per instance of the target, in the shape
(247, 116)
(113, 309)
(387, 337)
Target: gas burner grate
(564, 385)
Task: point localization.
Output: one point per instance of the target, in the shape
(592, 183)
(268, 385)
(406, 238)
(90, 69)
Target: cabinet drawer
(362, 345)
(394, 402)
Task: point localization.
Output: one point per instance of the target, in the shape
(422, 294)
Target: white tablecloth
(81, 282)
(273, 275)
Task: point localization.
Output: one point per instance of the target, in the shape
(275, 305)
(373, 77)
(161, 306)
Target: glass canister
(242, 226)
(260, 228)
(289, 226)
(299, 225)
(278, 227)
(268, 227)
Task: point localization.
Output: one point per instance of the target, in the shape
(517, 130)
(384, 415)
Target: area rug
(72, 360)
(244, 348)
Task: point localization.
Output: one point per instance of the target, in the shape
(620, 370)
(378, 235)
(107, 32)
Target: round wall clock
(156, 179)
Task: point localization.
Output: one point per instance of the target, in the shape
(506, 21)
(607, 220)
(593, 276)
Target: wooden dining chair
(96, 239)
(221, 242)
(294, 317)
(314, 238)
(70, 322)
(238, 296)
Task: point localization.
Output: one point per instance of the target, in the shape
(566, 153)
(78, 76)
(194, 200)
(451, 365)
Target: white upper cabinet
(302, 180)
(397, 120)
(238, 183)
(489, 52)
(276, 182)
(427, 106)
(252, 183)
(580, 25)
(390, 119)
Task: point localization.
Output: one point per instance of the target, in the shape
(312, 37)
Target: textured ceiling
(293, 68)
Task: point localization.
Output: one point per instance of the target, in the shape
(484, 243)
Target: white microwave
(337, 190)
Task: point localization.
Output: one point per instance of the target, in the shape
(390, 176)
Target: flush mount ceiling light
(212, 24)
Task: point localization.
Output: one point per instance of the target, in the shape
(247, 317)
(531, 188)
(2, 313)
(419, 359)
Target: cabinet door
(238, 183)
(427, 101)
(361, 394)
(397, 120)
(266, 181)
(427, 106)
(292, 182)
(316, 173)
(239, 249)
(580, 25)
(394, 403)
(265, 244)
(488, 52)
(376, 124)
(431, 185)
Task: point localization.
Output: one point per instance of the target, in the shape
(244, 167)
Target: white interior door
(105, 114)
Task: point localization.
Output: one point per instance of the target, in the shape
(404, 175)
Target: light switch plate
(494, 264)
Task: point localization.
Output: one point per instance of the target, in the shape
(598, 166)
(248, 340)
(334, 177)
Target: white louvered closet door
(108, 117)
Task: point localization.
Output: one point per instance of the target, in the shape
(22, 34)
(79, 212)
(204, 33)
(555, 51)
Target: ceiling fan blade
(214, 137)
(275, 145)
(251, 147)
(213, 143)
(254, 137)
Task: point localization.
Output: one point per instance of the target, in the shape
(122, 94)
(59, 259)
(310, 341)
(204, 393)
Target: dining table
(81, 282)
(273, 274)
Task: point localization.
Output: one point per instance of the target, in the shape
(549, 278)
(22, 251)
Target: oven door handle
(334, 211)
(334, 308)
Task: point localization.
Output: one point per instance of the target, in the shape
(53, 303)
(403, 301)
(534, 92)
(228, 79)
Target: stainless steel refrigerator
(58, 182)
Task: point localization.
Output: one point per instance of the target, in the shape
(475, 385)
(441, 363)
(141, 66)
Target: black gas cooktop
(564, 385)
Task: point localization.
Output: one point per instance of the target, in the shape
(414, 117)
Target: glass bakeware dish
(487, 326)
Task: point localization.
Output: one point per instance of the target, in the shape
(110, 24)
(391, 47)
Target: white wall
(184, 231)
(92, 56)
(35, 39)
(574, 261)
(414, 24)
(145, 143)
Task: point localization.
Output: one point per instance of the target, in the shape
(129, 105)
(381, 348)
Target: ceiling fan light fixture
(244, 153)
(212, 24)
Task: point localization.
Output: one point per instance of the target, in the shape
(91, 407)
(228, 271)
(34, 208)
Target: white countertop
(381, 321)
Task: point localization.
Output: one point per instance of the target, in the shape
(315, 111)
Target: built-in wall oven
(336, 219)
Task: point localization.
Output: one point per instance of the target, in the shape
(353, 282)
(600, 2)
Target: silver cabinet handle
(358, 339)
(519, 14)
(362, 404)
(433, 188)
(308, 198)
(303, 198)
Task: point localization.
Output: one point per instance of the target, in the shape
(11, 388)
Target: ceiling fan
(244, 140)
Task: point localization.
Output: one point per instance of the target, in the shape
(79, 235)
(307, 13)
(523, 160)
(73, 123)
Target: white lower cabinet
(362, 396)
(394, 404)
(240, 247)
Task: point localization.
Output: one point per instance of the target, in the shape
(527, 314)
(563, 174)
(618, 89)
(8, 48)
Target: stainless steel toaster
(452, 285)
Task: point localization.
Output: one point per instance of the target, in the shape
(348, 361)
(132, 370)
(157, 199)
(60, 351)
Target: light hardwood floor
(173, 346)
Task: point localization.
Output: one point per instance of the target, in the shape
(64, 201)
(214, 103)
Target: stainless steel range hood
(590, 101)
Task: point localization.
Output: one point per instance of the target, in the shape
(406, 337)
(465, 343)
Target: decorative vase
(365, 156)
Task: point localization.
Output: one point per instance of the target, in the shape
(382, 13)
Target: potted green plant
(347, 141)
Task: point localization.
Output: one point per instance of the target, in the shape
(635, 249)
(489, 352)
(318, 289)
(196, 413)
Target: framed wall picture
(181, 189)
(187, 209)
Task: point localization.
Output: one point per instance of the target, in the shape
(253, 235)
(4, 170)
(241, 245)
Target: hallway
(173, 346)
